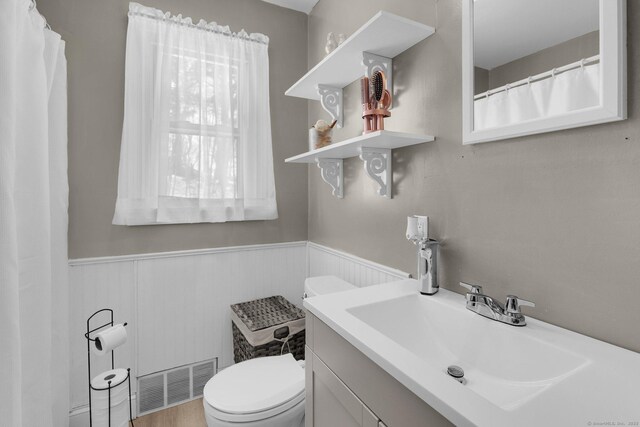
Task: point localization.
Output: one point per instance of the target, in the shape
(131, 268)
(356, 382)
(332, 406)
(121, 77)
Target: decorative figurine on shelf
(376, 101)
(341, 38)
(332, 44)
(320, 134)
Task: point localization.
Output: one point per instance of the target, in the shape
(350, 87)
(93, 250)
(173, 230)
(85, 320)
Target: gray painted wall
(95, 32)
(480, 80)
(554, 218)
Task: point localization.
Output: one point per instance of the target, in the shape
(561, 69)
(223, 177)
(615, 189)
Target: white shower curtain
(34, 362)
(572, 90)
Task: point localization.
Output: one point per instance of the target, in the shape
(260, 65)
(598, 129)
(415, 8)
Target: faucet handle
(513, 304)
(473, 289)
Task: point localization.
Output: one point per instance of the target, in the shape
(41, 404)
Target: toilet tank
(321, 285)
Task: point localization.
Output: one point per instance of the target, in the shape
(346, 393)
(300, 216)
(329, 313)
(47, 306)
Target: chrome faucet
(486, 306)
(418, 233)
(428, 266)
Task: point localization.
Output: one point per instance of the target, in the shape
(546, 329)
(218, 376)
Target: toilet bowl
(267, 391)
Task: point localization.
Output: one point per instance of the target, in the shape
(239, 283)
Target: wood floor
(190, 414)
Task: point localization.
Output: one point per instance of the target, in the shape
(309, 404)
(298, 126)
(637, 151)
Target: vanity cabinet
(345, 388)
(333, 403)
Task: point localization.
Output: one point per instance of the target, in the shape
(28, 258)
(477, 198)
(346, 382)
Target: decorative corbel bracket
(331, 100)
(377, 164)
(331, 172)
(373, 63)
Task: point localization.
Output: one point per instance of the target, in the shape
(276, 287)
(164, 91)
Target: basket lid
(256, 385)
(266, 312)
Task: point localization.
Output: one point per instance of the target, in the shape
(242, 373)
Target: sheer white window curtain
(196, 139)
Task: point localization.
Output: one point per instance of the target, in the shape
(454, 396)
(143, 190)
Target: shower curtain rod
(192, 25)
(551, 73)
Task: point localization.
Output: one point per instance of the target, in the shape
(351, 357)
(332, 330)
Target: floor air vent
(171, 387)
(178, 386)
(151, 392)
(201, 374)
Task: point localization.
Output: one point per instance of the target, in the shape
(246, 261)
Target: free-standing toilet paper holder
(110, 385)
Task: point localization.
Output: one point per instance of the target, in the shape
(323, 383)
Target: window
(196, 141)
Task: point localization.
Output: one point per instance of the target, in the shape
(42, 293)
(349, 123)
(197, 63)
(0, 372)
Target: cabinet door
(333, 403)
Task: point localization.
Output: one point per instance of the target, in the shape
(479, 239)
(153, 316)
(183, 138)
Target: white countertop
(601, 385)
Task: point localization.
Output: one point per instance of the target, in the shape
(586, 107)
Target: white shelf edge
(353, 145)
(346, 45)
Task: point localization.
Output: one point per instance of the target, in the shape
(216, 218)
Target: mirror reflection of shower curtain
(569, 91)
(34, 348)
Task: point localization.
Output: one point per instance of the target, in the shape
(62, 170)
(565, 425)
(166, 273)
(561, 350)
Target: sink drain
(456, 372)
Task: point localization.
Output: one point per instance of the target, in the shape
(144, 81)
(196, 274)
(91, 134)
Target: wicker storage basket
(267, 327)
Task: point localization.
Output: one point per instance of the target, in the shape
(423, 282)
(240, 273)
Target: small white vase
(331, 43)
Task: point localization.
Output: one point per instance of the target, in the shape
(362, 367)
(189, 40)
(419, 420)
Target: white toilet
(267, 391)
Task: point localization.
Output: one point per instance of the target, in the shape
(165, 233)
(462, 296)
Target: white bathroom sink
(500, 363)
(534, 375)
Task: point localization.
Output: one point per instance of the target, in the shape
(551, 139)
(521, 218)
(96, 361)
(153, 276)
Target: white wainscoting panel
(324, 261)
(183, 302)
(94, 287)
(177, 303)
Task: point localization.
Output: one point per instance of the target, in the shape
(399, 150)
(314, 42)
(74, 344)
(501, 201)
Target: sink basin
(500, 363)
(531, 376)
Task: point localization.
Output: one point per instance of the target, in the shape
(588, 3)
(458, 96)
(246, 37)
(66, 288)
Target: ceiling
(299, 5)
(505, 30)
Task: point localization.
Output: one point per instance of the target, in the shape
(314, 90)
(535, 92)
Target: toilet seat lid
(256, 385)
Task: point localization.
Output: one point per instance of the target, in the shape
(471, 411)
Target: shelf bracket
(331, 100)
(331, 172)
(373, 63)
(377, 164)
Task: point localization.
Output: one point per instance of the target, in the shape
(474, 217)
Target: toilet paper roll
(119, 399)
(109, 339)
(412, 228)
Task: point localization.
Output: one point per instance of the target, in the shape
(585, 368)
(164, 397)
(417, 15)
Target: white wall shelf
(371, 47)
(352, 146)
(374, 149)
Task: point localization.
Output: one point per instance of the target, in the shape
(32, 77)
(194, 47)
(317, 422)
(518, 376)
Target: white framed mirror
(534, 66)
